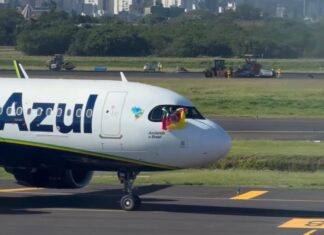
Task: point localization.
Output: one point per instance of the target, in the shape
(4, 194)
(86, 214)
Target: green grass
(251, 98)
(274, 155)
(7, 54)
(232, 178)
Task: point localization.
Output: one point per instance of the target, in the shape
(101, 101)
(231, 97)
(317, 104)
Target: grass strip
(230, 178)
(7, 54)
(274, 155)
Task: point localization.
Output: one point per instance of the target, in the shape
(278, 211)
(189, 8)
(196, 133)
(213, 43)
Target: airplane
(55, 133)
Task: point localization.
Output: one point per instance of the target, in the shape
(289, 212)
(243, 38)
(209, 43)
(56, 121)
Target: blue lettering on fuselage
(75, 126)
(36, 124)
(6, 117)
(13, 113)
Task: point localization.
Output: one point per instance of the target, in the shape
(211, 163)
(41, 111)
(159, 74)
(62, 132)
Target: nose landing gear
(130, 201)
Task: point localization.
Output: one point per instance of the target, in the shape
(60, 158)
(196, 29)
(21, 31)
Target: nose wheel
(130, 201)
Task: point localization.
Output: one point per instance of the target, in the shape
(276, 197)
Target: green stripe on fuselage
(88, 153)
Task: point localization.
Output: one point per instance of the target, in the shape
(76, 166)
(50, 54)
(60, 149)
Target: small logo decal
(138, 112)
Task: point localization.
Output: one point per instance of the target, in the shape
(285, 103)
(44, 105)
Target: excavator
(57, 63)
(250, 69)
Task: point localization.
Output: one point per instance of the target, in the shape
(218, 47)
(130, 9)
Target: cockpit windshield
(157, 113)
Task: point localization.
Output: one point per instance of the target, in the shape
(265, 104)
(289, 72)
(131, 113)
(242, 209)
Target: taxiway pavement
(165, 210)
(273, 128)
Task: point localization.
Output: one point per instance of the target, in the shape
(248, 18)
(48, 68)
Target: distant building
(231, 6)
(109, 7)
(98, 7)
(314, 10)
(169, 3)
(8, 4)
(166, 12)
(73, 6)
(178, 3)
(280, 11)
(188, 5)
(137, 8)
(32, 13)
(122, 5)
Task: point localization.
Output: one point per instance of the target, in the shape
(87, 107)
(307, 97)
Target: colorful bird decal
(138, 112)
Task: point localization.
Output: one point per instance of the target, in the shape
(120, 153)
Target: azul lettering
(13, 113)
(36, 125)
(75, 126)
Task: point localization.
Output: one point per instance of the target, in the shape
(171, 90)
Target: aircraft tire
(130, 202)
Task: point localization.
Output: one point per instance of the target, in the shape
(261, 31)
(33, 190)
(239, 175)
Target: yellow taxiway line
(249, 195)
(317, 223)
(310, 232)
(13, 190)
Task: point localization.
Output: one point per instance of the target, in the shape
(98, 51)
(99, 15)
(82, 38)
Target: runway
(165, 210)
(273, 128)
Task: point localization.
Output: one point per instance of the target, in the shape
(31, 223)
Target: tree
(9, 22)
(54, 40)
(109, 41)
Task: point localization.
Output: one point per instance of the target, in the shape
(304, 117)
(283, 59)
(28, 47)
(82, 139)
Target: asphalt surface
(165, 210)
(273, 128)
(139, 74)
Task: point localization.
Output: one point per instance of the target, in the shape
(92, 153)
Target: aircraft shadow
(109, 199)
(101, 199)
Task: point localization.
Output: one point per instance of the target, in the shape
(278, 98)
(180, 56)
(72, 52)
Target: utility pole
(304, 9)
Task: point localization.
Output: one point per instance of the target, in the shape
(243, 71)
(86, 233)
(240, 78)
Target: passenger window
(9, 110)
(19, 111)
(78, 112)
(89, 113)
(68, 113)
(48, 111)
(59, 112)
(39, 112)
(29, 111)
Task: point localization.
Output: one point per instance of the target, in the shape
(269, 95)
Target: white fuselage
(95, 119)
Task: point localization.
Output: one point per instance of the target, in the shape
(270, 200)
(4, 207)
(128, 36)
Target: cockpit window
(156, 114)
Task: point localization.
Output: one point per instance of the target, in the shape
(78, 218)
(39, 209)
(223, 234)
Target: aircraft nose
(224, 143)
(218, 144)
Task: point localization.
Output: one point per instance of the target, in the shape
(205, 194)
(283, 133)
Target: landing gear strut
(130, 201)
